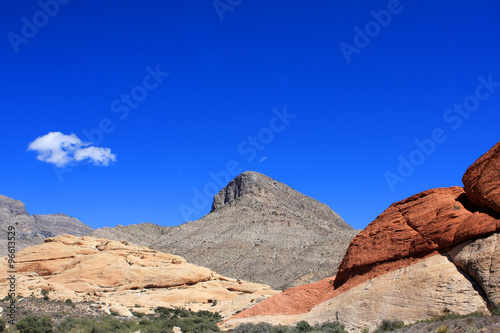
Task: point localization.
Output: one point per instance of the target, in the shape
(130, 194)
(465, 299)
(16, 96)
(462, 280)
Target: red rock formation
(430, 221)
(482, 181)
(292, 301)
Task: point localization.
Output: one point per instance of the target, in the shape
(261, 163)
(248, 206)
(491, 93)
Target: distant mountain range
(33, 229)
(258, 229)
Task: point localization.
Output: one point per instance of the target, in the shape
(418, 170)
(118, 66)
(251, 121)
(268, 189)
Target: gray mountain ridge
(33, 229)
(258, 230)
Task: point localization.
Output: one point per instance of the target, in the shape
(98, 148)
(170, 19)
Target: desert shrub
(205, 327)
(389, 325)
(34, 324)
(67, 324)
(303, 326)
(138, 314)
(442, 329)
(282, 329)
(163, 311)
(334, 327)
(3, 323)
(68, 301)
(105, 324)
(245, 328)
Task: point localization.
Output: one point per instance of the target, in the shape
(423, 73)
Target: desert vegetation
(449, 323)
(162, 321)
(300, 327)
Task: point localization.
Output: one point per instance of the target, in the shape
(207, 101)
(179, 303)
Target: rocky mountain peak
(243, 184)
(253, 189)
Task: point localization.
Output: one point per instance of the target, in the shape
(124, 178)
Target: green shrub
(34, 324)
(303, 326)
(245, 328)
(67, 324)
(3, 323)
(442, 329)
(138, 314)
(282, 329)
(334, 327)
(389, 325)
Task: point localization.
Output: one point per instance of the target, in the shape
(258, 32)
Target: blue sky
(357, 104)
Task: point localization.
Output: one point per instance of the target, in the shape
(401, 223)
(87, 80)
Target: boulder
(482, 181)
(427, 222)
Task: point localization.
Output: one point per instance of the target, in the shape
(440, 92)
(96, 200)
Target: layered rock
(34, 229)
(259, 230)
(125, 277)
(433, 253)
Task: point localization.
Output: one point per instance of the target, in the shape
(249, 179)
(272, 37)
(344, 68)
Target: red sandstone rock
(482, 181)
(429, 221)
(292, 301)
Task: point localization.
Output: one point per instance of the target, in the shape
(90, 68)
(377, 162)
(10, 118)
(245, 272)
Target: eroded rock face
(123, 275)
(482, 181)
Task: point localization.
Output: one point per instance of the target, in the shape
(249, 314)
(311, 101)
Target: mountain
(259, 230)
(435, 253)
(33, 229)
(121, 277)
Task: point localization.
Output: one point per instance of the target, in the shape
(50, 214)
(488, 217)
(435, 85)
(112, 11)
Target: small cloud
(61, 149)
(263, 159)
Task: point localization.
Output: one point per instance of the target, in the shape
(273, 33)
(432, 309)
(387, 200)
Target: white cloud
(263, 159)
(61, 149)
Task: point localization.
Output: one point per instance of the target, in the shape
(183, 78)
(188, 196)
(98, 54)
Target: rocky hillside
(259, 230)
(33, 229)
(434, 253)
(122, 277)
